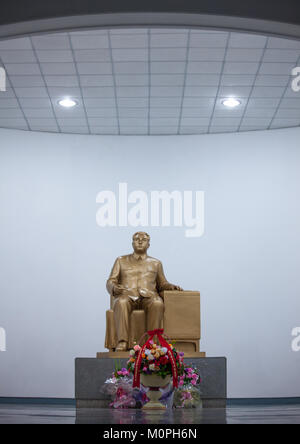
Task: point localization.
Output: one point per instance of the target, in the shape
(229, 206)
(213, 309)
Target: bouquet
(190, 376)
(119, 388)
(188, 393)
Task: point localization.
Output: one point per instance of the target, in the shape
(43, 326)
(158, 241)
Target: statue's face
(140, 243)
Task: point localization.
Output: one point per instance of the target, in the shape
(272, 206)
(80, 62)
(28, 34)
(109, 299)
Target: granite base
(91, 373)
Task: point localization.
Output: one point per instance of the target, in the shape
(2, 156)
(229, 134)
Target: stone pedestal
(91, 373)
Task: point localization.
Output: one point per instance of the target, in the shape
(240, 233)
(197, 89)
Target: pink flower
(193, 381)
(145, 369)
(181, 382)
(136, 348)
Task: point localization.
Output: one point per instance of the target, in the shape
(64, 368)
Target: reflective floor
(59, 414)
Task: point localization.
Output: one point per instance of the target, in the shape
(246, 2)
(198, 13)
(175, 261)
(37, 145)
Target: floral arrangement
(188, 393)
(119, 388)
(120, 372)
(155, 359)
(189, 376)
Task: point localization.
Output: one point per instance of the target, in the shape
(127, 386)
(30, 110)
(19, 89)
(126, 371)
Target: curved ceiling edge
(73, 23)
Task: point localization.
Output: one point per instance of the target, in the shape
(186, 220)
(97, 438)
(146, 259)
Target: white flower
(147, 351)
(150, 357)
(132, 352)
(164, 350)
(152, 367)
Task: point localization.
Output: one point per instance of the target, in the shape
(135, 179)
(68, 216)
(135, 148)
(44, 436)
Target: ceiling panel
(149, 81)
(238, 40)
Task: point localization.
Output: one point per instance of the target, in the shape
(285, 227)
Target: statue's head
(140, 242)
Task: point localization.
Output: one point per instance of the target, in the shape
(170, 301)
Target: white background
(54, 259)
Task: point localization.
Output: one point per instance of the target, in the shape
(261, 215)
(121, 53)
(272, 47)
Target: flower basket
(154, 365)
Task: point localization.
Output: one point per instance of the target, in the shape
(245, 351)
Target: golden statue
(134, 284)
(141, 299)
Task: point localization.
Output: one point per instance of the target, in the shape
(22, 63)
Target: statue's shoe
(122, 346)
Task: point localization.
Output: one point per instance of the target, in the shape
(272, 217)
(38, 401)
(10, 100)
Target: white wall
(54, 259)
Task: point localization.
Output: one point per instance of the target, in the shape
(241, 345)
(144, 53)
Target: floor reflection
(132, 416)
(59, 414)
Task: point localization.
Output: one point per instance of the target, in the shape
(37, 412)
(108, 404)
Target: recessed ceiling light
(67, 103)
(231, 102)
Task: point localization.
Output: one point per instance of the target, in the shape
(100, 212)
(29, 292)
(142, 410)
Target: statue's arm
(113, 279)
(162, 283)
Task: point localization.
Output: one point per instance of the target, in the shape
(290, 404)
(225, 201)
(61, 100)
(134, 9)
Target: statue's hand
(145, 293)
(176, 287)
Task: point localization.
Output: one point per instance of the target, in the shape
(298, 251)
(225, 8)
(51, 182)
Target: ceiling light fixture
(231, 102)
(67, 103)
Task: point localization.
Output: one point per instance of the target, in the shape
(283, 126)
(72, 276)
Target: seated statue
(135, 283)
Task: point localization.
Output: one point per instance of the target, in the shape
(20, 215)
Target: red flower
(164, 360)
